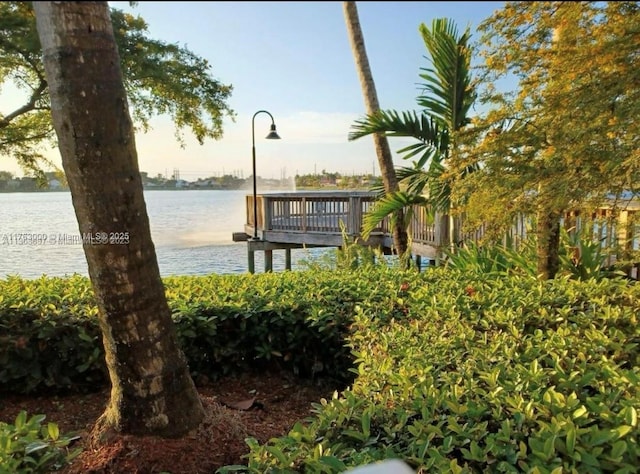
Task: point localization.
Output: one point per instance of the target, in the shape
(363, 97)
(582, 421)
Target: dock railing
(321, 218)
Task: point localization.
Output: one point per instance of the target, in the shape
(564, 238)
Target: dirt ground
(261, 405)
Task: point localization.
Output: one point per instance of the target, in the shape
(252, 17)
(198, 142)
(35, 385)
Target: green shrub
(29, 446)
(49, 335)
(581, 257)
(494, 259)
(298, 321)
(451, 370)
(483, 375)
(352, 256)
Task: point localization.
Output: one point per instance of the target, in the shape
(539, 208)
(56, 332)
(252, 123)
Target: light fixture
(273, 135)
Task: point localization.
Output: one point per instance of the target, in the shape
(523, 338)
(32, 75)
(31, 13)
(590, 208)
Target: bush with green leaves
(295, 320)
(29, 446)
(298, 321)
(49, 336)
(451, 370)
(584, 257)
(581, 257)
(494, 259)
(482, 374)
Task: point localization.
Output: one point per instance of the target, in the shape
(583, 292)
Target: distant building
(55, 184)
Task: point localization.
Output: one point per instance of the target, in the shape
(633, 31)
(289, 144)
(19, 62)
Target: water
(191, 230)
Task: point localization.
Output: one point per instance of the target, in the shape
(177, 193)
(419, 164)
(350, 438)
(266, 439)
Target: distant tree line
(336, 180)
(55, 181)
(48, 181)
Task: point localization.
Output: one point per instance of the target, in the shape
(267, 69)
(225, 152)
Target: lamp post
(271, 136)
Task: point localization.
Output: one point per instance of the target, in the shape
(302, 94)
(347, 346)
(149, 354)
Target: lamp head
(273, 135)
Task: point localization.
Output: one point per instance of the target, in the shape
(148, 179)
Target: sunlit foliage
(161, 79)
(567, 136)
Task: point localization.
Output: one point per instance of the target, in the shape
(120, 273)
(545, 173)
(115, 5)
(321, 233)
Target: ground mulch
(261, 405)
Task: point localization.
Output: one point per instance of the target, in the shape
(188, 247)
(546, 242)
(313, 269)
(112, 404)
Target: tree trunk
(383, 152)
(152, 391)
(548, 243)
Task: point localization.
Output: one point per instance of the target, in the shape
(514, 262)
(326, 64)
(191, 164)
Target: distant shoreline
(158, 188)
(148, 188)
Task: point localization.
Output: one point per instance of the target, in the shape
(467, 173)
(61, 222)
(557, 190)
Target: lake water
(191, 230)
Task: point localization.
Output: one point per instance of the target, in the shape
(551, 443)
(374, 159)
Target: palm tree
(152, 391)
(446, 98)
(383, 151)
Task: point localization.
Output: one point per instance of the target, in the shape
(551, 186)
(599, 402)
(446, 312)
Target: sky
(294, 60)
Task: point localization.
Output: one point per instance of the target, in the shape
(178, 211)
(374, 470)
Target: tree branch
(28, 107)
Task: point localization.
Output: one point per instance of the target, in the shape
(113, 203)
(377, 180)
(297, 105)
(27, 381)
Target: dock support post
(251, 261)
(268, 260)
(287, 259)
(419, 262)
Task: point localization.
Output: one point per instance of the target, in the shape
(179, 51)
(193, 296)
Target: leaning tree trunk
(152, 391)
(383, 152)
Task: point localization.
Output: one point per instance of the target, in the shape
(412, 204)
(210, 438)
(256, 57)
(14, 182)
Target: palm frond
(448, 93)
(378, 188)
(414, 180)
(386, 207)
(397, 124)
(439, 189)
(415, 149)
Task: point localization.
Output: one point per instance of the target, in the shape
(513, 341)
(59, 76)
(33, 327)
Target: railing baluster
(322, 213)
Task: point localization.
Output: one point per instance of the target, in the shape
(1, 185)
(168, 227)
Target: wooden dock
(294, 220)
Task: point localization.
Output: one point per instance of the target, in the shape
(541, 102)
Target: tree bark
(548, 243)
(152, 391)
(383, 152)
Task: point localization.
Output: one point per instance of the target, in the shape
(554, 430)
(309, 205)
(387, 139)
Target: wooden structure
(323, 219)
(303, 220)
